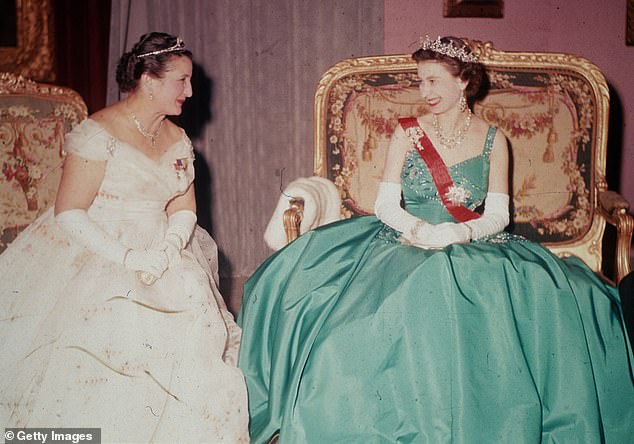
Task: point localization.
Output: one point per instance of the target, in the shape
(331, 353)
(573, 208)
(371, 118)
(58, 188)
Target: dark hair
(131, 66)
(473, 72)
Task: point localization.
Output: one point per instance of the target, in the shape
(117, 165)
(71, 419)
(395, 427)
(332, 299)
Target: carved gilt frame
(34, 55)
(589, 245)
(11, 84)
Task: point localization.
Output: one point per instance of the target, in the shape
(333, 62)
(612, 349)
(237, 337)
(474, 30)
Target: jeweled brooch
(180, 166)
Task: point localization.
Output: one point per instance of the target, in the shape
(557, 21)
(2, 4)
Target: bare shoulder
(107, 117)
(174, 133)
(399, 140)
(172, 129)
(500, 149)
(479, 126)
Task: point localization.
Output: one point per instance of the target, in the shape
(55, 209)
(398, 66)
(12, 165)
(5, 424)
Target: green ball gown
(351, 337)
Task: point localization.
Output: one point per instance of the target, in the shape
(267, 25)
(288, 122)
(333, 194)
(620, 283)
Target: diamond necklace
(145, 133)
(457, 138)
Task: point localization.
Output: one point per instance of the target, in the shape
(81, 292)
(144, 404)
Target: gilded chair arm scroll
(293, 218)
(613, 202)
(615, 210)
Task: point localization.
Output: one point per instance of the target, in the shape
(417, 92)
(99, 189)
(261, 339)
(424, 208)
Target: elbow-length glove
(387, 208)
(493, 220)
(180, 227)
(86, 232)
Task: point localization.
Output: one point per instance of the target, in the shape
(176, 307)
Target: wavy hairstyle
(131, 66)
(472, 72)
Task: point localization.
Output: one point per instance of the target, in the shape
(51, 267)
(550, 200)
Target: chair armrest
(615, 209)
(293, 218)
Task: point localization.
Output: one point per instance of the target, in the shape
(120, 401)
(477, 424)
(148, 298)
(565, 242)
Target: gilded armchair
(34, 119)
(552, 107)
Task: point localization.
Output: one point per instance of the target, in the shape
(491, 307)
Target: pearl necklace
(145, 133)
(457, 138)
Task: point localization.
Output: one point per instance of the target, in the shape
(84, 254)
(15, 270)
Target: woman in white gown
(109, 313)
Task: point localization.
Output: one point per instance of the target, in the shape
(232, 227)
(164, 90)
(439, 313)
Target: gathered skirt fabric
(351, 337)
(86, 344)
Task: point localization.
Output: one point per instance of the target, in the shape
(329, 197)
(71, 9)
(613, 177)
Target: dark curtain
(82, 33)
(256, 67)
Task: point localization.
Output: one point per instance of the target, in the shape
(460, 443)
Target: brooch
(180, 166)
(457, 195)
(415, 134)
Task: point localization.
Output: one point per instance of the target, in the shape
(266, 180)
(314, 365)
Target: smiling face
(439, 87)
(171, 90)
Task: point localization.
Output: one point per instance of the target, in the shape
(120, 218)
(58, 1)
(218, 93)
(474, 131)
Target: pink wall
(589, 28)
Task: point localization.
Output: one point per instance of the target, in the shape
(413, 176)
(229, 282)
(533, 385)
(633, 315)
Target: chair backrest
(34, 118)
(552, 107)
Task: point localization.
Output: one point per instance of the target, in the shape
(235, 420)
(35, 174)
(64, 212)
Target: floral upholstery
(33, 121)
(547, 118)
(553, 108)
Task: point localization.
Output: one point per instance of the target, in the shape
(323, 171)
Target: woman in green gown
(430, 324)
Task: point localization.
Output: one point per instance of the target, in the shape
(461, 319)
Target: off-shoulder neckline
(157, 161)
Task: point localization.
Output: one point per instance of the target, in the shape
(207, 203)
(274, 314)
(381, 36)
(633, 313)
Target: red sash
(439, 172)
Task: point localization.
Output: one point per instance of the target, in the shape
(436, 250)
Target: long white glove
(446, 233)
(493, 220)
(387, 208)
(84, 230)
(495, 217)
(180, 227)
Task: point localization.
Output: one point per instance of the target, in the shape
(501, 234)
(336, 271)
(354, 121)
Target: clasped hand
(171, 246)
(152, 261)
(438, 236)
(155, 260)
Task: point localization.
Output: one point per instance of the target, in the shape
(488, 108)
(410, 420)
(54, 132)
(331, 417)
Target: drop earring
(148, 88)
(462, 104)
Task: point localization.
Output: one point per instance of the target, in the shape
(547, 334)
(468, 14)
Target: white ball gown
(85, 344)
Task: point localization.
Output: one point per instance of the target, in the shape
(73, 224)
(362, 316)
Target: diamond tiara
(447, 49)
(178, 46)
